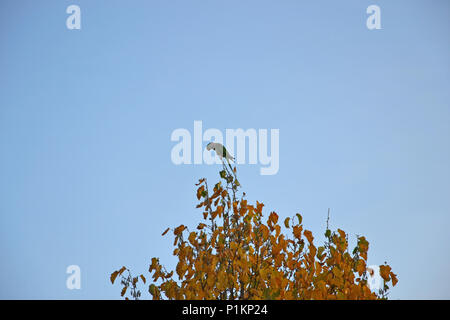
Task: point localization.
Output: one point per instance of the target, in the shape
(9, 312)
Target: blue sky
(86, 117)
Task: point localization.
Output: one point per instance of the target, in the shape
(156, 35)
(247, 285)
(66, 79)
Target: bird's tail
(232, 170)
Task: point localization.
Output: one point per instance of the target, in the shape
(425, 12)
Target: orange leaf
(122, 270)
(200, 192)
(178, 230)
(361, 267)
(274, 217)
(219, 210)
(114, 276)
(200, 181)
(201, 226)
(308, 235)
(297, 230)
(259, 207)
(192, 237)
(165, 231)
(384, 272)
(394, 278)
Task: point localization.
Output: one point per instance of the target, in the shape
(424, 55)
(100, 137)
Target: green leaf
(286, 222)
(299, 216)
(320, 251)
(151, 289)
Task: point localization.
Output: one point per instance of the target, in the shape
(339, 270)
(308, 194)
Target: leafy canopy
(234, 253)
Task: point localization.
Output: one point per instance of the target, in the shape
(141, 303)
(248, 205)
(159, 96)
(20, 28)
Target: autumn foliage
(237, 253)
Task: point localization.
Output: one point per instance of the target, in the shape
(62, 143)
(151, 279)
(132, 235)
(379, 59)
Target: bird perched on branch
(220, 150)
(223, 153)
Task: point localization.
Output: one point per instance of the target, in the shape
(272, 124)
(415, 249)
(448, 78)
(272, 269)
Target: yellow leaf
(143, 278)
(181, 269)
(165, 231)
(297, 230)
(264, 231)
(361, 267)
(192, 237)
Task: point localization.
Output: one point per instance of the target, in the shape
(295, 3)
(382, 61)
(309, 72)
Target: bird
(220, 150)
(373, 278)
(223, 153)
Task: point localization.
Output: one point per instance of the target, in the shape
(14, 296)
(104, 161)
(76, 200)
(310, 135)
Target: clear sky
(86, 116)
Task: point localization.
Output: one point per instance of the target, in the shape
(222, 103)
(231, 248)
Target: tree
(234, 254)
